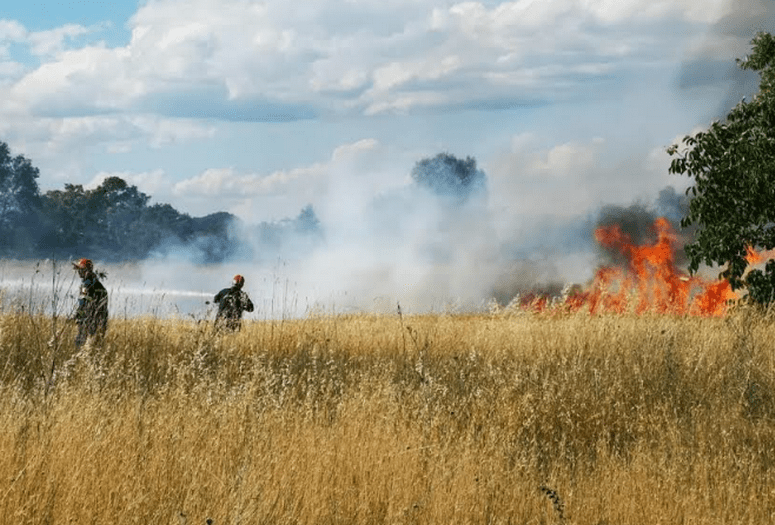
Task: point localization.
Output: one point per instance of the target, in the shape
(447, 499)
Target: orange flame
(650, 281)
(754, 257)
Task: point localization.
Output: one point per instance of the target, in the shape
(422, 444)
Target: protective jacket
(92, 312)
(231, 303)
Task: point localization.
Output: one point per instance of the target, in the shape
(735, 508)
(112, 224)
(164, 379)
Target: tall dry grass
(362, 419)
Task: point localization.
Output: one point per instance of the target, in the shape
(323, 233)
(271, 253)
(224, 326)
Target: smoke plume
(430, 241)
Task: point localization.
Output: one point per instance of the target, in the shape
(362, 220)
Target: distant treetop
(447, 176)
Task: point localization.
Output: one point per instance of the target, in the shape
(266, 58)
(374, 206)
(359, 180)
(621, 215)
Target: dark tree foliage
(733, 168)
(107, 221)
(160, 224)
(307, 221)
(67, 214)
(117, 209)
(20, 218)
(213, 237)
(448, 176)
(116, 222)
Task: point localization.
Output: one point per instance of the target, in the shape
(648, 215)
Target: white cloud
(78, 82)
(403, 103)
(163, 131)
(63, 148)
(251, 196)
(351, 152)
(153, 183)
(9, 71)
(704, 11)
(395, 74)
(53, 41)
(474, 18)
(205, 60)
(226, 182)
(62, 134)
(350, 178)
(368, 56)
(11, 30)
(565, 161)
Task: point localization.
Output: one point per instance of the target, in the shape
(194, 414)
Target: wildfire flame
(650, 281)
(753, 257)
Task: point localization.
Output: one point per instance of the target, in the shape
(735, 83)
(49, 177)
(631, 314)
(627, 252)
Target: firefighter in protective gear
(231, 303)
(91, 315)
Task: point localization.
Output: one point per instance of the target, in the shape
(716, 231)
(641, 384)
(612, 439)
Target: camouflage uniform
(92, 312)
(231, 303)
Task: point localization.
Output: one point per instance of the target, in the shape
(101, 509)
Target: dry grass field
(502, 418)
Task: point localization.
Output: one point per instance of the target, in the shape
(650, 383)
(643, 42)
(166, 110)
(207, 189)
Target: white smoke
(384, 240)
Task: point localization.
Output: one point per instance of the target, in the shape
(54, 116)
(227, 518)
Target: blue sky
(259, 108)
(45, 15)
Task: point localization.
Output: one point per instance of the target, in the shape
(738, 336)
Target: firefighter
(91, 315)
(231, 303)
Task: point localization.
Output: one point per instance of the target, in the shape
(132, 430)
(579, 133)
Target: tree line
(115, 221)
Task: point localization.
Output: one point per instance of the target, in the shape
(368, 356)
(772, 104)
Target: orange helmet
(83, 264)
(238, 280)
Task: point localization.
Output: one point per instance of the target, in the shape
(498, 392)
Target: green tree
(115, 222)
(447, 176)
(68, 214)
(732, 164)
(20, 225)
(103, 221)
(118, 207)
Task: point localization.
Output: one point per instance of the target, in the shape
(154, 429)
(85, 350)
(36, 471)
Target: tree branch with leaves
(732, 164)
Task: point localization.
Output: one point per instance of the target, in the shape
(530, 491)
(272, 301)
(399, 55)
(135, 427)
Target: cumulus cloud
(365, 57)
(60, 137)
(9, 70)
(276, 62)
(353, 172)
(50, 42)
(226, 182)
(166, 131)
(154, 183)
(11, 30)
